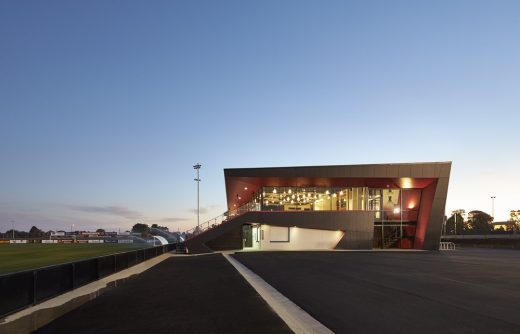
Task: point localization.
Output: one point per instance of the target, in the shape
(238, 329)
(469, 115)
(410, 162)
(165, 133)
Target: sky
(105, 106)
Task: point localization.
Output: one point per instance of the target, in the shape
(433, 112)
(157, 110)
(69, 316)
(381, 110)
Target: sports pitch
(18, 257)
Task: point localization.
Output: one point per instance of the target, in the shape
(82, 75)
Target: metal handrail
(447, 245)
(220, 219)
(248, 207)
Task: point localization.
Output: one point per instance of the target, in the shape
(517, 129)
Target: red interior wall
(425, 209)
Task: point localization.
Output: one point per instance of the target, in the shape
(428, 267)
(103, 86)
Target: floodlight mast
(197, 168)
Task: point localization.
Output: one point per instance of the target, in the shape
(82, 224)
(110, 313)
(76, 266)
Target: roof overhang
(242, 183)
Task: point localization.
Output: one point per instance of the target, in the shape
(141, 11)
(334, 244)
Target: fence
(481, 236)
(25, 288)
(446, 246)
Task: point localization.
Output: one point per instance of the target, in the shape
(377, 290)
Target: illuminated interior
(388, 203)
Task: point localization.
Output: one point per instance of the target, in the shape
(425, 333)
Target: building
(329, 207)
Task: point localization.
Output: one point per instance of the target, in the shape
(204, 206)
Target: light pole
(493, 207)
(455, 232)
(12, 228)
(197, 168)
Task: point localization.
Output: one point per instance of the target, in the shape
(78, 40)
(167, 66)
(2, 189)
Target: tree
(456, 220)
(480, 222)
(35, 232)
(101, 231)
(164, 228)
(144, 229)
(514, 216)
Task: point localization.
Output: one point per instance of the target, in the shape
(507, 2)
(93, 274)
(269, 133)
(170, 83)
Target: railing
(391, 239)
(389, 216)
(25, 288)
(446, 245)
(214, 222)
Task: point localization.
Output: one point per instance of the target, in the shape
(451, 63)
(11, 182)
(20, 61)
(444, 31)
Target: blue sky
(106, 105)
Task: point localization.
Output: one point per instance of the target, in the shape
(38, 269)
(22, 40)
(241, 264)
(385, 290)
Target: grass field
(17, 257)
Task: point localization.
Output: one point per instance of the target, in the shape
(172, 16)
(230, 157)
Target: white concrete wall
(301, 239)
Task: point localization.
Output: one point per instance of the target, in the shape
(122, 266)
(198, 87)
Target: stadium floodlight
(197, 168)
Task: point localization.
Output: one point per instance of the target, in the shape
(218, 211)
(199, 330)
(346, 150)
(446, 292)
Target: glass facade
(395, 210)
(313, 198)
(390, 204)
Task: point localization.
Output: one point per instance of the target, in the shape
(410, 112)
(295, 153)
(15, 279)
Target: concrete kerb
(34, 317)
(296, 318)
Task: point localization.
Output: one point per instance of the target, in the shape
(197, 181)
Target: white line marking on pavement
(297, 319)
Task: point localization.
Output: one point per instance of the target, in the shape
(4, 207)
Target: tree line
(34, 232)
(145, 230)
(479, 222)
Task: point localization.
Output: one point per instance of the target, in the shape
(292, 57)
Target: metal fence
(447, 246)
(25, 288)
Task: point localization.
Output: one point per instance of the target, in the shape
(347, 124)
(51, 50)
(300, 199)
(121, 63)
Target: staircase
(180, 248)
(223, 218)
(392, 239)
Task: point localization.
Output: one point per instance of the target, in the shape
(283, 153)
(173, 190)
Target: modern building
(329, 207)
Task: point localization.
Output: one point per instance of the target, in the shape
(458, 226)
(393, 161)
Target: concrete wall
(358, 224)
(301, 239)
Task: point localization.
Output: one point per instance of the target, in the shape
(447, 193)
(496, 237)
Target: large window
(388, 204)
(314, 198)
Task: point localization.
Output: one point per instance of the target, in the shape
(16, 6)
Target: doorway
(251, 236)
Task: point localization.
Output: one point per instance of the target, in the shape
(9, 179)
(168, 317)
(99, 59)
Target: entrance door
(247, 236)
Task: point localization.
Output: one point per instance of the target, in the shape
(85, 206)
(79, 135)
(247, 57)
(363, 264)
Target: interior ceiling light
(290, 191)
(334, 195)
(327, 192)
(341, 193)
(245, 188)
(274, 191)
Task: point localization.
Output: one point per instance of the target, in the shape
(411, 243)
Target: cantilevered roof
(242, 183)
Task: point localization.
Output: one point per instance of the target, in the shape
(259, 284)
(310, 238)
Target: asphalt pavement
(189, 294)
(462, 291)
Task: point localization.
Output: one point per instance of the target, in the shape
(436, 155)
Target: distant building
(87, 234)
(504, 225)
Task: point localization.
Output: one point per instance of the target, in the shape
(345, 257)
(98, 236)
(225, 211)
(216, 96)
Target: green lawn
(16, 257)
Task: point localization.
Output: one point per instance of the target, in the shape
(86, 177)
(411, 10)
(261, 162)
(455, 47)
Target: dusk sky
(105, 106)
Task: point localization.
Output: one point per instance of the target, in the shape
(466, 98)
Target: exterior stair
(180, 248)
(392, 239)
